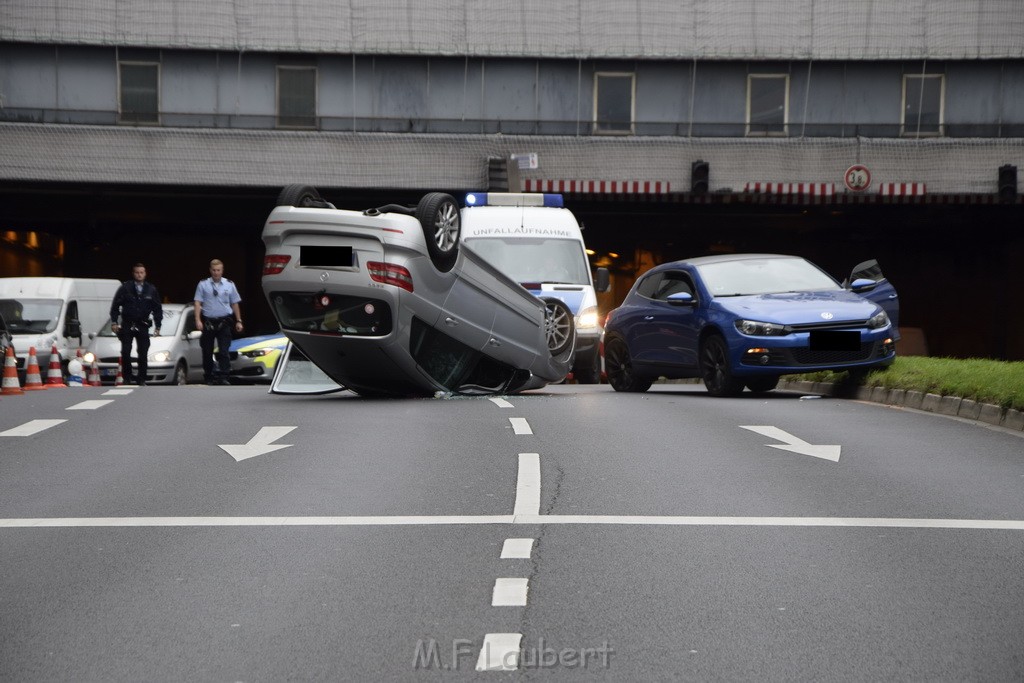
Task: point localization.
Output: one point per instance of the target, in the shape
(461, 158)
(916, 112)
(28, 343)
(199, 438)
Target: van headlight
(587, 318)
(878, 320)
(756, 328)
(160, 356)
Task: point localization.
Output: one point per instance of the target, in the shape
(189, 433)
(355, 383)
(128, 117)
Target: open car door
(296, 374)
(879, 290)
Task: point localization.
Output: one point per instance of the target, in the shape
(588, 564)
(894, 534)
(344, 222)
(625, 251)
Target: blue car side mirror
(862, 284)
(681, 299)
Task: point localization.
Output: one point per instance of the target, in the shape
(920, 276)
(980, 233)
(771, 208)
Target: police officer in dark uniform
(135, 301)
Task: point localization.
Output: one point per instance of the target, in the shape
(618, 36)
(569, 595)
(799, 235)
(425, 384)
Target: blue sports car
(745, 319)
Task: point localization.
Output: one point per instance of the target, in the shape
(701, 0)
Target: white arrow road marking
(791, 443)
(259, 444)
(31, 427)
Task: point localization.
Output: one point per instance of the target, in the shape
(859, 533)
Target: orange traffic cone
(10, 382)
(33, 380)
(94, 375)
(54, 376)
(119, 380)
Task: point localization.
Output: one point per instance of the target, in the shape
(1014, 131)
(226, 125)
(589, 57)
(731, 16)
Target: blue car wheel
(619, 367)
(715, 368)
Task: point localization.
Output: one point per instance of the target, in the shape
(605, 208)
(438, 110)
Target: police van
(48, 312)
(536, 241)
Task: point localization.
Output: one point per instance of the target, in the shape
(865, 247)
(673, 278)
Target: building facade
(759, 102)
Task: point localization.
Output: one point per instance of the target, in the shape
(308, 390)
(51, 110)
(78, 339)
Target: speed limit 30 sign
(857, 178)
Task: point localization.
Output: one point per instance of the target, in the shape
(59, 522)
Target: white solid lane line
(517, 548)
(426, 520)
(90, 405)
(509, 592)
(528, 485)
(520, 425)
(31, 427)
(500, 402)
(500, 652)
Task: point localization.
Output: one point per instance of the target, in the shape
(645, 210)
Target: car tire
(619, 366)
(715, 368)
(181, 374)
(302, 196)
(760, 385)
(438, 214)
(590, 373)
(559, 326)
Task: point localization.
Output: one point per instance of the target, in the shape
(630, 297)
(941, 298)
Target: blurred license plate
(834, 340)
(108, 372)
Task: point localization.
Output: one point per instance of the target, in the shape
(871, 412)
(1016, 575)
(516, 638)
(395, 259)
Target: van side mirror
(603, 280)
(194, 334)
(681, 299)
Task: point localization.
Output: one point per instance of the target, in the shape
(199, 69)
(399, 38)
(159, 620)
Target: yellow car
(253, 359)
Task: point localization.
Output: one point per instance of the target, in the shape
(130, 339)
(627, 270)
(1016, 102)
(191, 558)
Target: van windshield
(31, 316)
(535, 260)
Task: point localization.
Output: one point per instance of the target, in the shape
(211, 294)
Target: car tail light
(390, 274)
(273, 264)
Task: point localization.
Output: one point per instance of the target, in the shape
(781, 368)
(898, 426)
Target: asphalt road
(569, 534)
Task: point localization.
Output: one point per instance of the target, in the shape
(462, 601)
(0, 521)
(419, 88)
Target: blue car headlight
(878, 320)
(756, 328)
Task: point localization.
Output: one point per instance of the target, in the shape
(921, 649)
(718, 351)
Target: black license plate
(834, 340)
(325, 257)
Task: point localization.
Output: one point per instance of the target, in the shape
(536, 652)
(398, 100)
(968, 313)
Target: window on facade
(296, 96)
(922, 104)
(139, 92)
(767, 104)
(613, 103)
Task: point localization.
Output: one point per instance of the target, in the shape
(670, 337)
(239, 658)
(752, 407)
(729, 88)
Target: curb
(952, 406)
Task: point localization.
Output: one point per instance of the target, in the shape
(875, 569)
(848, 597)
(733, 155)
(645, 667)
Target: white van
(538, 243)
(53, 311)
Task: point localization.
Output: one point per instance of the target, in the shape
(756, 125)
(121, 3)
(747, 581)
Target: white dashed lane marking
(500, 652)
(500, 402)
(528, 485)
(32, 427)
(520, 425)
(90, 405)
(517, 548)
(509, 592)
(117, 392)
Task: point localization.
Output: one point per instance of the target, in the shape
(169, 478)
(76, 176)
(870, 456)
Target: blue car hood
(797, 308)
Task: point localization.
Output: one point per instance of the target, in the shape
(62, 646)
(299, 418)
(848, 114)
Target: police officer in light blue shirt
(217, 314)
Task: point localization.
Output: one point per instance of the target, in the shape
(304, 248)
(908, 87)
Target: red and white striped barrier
(597, 186)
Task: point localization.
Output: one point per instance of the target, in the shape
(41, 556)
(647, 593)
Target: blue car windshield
(764, 276)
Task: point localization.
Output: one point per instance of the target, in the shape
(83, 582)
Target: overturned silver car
(388, 301)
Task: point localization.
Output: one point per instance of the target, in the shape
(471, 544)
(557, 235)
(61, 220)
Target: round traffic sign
(857, 178)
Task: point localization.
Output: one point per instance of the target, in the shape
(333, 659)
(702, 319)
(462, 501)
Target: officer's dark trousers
(140, 335)
(216, 332)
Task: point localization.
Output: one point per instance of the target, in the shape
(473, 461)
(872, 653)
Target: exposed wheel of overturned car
(619, 366)
(559, 326)
(439, 215)
(301, 196)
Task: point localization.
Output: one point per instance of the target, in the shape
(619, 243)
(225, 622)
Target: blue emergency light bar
(514, 199)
